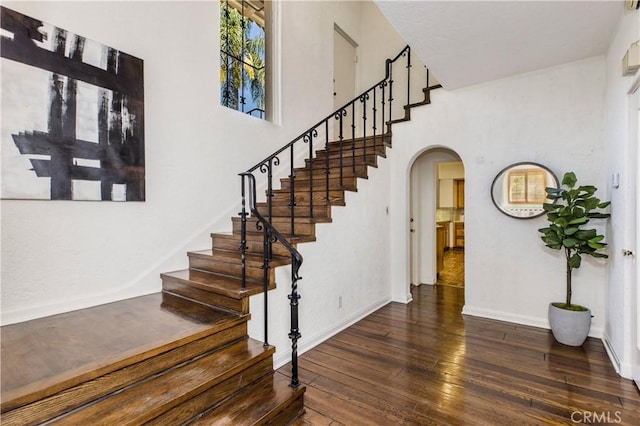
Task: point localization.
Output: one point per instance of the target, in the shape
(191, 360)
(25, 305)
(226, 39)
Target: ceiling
(469, 42)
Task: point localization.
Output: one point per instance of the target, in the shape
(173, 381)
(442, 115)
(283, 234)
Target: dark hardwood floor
(425, 364)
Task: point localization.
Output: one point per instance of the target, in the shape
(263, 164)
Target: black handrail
(379, 95)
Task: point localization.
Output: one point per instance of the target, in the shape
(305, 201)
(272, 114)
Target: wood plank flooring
(425, 364)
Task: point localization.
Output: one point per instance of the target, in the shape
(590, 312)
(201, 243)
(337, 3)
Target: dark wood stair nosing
(270, 411)
(155, 407)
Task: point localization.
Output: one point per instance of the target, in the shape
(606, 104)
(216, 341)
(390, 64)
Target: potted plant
(569, 212)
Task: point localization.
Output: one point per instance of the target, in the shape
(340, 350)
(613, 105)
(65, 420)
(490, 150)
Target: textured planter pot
(569, 327)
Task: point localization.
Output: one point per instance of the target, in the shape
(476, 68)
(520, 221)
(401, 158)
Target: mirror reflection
(519, 189)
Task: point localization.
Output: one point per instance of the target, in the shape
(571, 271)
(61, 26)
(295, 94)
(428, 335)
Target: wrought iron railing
(357, 128)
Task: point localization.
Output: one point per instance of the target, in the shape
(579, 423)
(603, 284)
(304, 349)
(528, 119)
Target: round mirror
(519, 189)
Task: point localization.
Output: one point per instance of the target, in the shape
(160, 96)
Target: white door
(344, 72)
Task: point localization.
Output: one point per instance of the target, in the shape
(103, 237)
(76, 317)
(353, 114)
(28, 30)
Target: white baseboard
(613, 357)
(519, 319)
(281, 358)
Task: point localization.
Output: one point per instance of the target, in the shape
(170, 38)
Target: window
(242, 56)
(527, 186)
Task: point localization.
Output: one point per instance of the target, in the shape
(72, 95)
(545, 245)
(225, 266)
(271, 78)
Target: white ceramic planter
(569, 327)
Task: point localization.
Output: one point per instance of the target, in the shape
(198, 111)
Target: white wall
(553, 117)
(60, 256)
(621, 135)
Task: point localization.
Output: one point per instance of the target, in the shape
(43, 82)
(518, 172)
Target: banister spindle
(243, 234)
(353, 136)
(326, 159)
(292, 192)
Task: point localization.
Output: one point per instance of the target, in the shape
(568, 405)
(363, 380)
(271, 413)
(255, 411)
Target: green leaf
(585, 234)
(569, 179)
(603, 205)
(600, 255)
(569, 242)
(598, 215)
(579, 220)
(575, 261)
(571, 231)
(596, 245)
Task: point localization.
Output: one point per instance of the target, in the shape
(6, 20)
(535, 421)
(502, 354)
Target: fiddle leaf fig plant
(569, 213)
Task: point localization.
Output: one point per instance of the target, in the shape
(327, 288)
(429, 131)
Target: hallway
(453, 272)
(425, 364)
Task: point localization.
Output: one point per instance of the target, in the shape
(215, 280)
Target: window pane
(242, 56)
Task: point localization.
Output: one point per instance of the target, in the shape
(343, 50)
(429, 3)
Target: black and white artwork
(72, 115)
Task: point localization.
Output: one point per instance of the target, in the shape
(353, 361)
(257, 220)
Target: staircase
(183, 356)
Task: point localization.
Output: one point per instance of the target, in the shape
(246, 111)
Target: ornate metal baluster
(243, 234)
(408, 77)
(266, 266)
(308, 138)
(382, 86)
(390, 95)
(326, 158)
(363, 100)
(294, 334)
(353, 136)
(375, 111)
(292, 193)
(339, 116)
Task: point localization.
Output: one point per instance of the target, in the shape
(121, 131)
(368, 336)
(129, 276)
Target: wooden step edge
(299, 220)
(231, 236)
(53, 385)
(150, 398)
(233, 291)
(346, 154)
(214, 396)
(182, 304)
(252, 259)
(55, 405)
(285, 218)
(297, 238)
(268, 401)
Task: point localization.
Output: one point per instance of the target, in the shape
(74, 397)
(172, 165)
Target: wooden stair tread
(293, 239)
(215, 283)
(44, 356)
(257, 404)
(147, 400)
(232, 256)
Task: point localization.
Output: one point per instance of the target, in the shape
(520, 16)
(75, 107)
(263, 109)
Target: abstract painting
(72, 115)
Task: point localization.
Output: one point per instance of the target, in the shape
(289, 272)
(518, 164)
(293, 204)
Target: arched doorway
(437, 218)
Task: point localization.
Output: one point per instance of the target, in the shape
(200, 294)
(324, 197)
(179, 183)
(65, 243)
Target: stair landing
(47, 355)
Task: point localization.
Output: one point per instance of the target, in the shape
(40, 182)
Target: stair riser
(55, 405)
(294, 410)
(348, 183)
(283, 210)
(165, 392)
(254, 245)
(214, 299)
(334, 152)
(281, 224)
(371, 160)
(335, 197)
(346, 143)
(210, 398)
(229, 269)
(361, 172)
